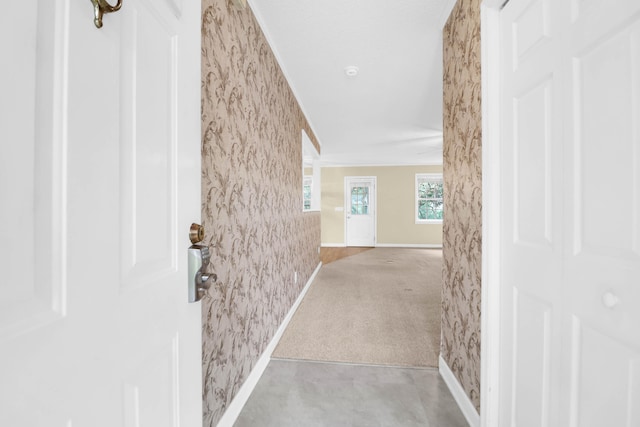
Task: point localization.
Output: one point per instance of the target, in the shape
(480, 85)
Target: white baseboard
(238, 402)
(333, 245)
(408, 245)
(461, 398)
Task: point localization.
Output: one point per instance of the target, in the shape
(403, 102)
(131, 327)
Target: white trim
(235, 407)
(496, 5)
(446, 12)
(409, 245)
(429, 177)
(272, 45)
(461, 398)
(310, 153)
(333, 245)
(491, 167)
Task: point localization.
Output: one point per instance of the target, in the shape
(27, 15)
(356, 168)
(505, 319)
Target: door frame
(347, 179)
(490, 371)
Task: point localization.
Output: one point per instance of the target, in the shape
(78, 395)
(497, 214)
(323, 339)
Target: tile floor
(302, 393)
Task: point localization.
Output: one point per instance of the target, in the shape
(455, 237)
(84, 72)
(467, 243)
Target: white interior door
(360, 194)
(100, 179)
(570, 262)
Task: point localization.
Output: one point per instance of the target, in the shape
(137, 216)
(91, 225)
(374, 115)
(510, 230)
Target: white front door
(99, 182)
(360, 201)
(570, 251)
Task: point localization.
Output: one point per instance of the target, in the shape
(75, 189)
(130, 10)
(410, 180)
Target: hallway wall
(252, 200)
(462, 228)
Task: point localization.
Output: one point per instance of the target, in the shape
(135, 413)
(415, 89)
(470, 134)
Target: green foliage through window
(360, 200)
(429, 197)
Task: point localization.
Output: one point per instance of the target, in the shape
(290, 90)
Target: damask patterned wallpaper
(252, 199)
(462, 227)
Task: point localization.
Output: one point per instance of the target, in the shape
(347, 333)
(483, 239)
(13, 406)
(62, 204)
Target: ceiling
(391, 112)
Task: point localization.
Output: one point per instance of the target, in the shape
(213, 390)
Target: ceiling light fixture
(351, 71)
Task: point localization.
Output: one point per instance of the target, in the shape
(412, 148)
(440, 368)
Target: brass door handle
(100, 7)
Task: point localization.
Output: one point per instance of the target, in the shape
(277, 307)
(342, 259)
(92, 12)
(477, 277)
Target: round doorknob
(610, 300)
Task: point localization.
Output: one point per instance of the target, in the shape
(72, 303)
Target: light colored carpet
(380, 307)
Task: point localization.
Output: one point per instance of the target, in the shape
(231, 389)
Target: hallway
(302, 393)
(378, 307)
(321, 391)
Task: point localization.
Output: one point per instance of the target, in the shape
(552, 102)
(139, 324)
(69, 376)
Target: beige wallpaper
(462, 254)
(252, 200)
(396, 204)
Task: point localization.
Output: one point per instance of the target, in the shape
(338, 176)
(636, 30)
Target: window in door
(429, 201)
(359, 200)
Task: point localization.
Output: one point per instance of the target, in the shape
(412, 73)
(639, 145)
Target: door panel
(532, 239)
(530, 27)
(607, 112)
(532, 211)
(606, 385)
(532, 360)
(148, 153)
(150, 387)
(533, 172)
(570, 262)
(101, 172)
(603, 258)
(34, 148)
(361, 210)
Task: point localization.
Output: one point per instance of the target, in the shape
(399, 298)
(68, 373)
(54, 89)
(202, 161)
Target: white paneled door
(360, 201)
(570, 263)
(99, 182)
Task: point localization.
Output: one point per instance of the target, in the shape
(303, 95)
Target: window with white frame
(429, 201)
(307, 189)
(310, 175)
